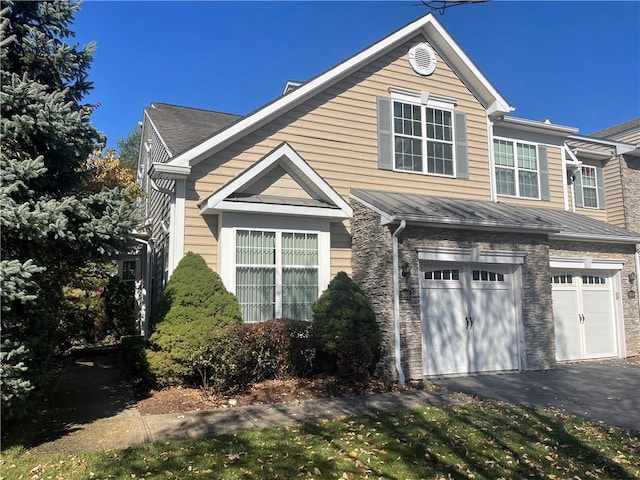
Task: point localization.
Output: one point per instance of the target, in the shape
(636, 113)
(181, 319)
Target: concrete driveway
(604, 390)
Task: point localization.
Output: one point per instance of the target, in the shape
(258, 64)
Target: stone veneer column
(371, 266)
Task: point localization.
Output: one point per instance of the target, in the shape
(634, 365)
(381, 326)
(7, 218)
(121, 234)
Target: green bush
(278, 348)
(192, 343)
(354, 358)
(192, 353)
(343, 314)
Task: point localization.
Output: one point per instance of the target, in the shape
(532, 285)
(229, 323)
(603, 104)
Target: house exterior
(403, 167)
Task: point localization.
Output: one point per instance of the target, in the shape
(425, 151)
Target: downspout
(396, 301)
(492, 170)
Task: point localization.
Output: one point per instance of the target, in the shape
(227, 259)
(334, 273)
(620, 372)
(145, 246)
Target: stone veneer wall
(371, 267)
(630, 170)
(630, 309)
(372, 270)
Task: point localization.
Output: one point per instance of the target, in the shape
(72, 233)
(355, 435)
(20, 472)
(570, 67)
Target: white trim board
(299, 170)
(438, 37)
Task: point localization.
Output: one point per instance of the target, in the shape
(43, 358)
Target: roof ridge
(194, 108)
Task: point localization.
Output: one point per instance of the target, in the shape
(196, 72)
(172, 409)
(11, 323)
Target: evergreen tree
(51, 227)
(129, 150)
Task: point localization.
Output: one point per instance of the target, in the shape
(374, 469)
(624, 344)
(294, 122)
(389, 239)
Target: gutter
(396, 302)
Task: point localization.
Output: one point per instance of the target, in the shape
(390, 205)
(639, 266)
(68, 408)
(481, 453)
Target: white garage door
(469, 321)
(584, 317)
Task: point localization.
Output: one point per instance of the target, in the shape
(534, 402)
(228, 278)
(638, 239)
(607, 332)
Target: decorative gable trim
(305, 176)
(427, 25)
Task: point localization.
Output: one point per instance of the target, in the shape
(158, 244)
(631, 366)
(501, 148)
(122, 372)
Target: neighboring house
(402, 167)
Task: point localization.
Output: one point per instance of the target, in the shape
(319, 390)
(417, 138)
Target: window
(420, 130)
(446, 274)
(560, 279)
(589, 187)
(276, 274)
(516, 169)
(129, 271)
(487, 276)
(593, 280)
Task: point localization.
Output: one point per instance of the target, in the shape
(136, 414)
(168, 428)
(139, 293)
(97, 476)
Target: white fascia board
(449, 46)
(153, 125)
(592, 154)
(621, 148)
(427, 24)
(290, 159)
(535, 126)
(167, 171)
(274, 209)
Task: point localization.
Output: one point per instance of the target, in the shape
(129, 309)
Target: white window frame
(230, 223)
(594, 187)
(516, 169)
(424, 100)
(123, 270)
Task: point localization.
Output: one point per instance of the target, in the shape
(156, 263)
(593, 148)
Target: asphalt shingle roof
(183, 127)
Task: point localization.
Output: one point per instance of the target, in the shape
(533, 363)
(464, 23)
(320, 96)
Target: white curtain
(256, 265)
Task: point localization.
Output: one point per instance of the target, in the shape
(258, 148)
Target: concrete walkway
(92, 406)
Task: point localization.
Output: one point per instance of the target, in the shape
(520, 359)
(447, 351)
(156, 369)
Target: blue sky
(577, 63)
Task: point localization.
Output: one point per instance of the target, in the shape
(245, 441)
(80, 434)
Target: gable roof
(437, 36)
(184, 127)
(612, 132)
(486, 215)
(324, 201)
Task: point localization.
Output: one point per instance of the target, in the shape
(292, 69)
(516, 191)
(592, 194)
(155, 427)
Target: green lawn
(484, 440)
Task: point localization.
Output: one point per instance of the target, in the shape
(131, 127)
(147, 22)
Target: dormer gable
(280, 183)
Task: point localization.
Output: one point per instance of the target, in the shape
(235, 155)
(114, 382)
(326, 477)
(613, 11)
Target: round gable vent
(422, 59)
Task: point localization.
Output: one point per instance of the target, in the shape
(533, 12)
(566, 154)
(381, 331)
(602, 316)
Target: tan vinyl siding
(340, 248)
(613, 192)
(335, 132)
(587, 145)
(278, 183)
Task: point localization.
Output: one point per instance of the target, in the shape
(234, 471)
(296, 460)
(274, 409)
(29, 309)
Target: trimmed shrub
(195, 291)
(354, 358)
(192, 353)
(279, 348)
(192, 343)
(343, 314)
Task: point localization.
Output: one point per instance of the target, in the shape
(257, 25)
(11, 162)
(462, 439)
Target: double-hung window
(589, 187)
(276, 274)
(516, 169)
(423, 139)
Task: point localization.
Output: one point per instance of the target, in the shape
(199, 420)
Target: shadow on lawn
(485, 440)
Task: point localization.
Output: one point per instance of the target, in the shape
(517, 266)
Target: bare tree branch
(441, 5)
